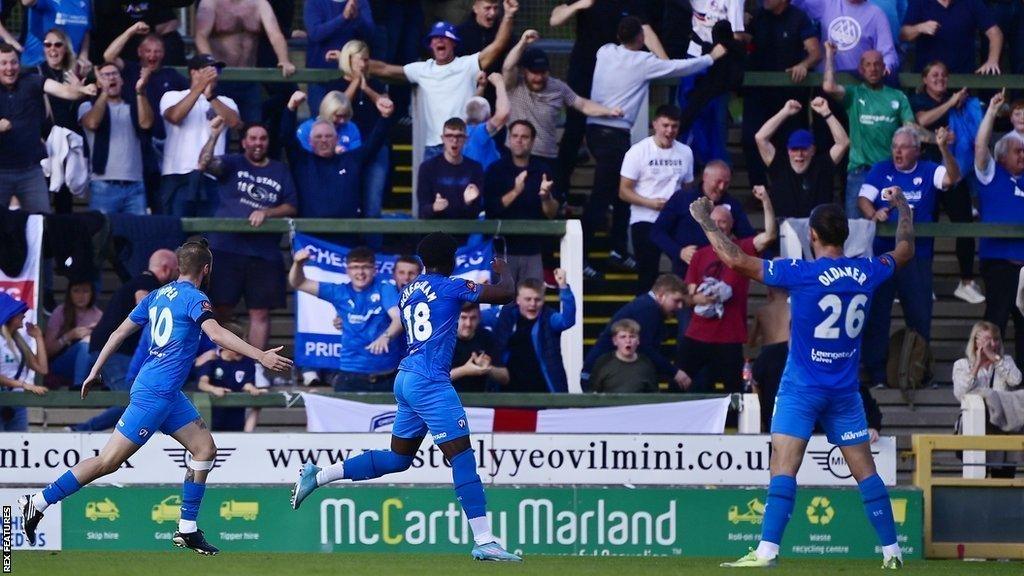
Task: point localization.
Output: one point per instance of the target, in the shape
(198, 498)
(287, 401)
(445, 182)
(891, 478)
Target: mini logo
(375, 297)
(180, 456)
(895, 105)
(462, 423)
(206, 306)
(470, 285)
(143, 433)
(382, 420)
(820, 511)
(239, 376)
(440, 436)
(120, 423)
(832, 461)
(218, 373)
(888, 177)
(918, 180)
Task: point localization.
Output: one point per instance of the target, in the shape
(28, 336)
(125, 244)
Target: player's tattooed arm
(724, 247)
(904, 250)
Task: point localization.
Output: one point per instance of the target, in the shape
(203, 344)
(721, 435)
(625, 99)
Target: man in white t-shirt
(184, 190)
(445, 81)
(652, 171)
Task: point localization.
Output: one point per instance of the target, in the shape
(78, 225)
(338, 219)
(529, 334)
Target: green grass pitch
(187, 563)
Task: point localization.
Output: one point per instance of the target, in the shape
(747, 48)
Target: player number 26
(854, 321)
(160, 325)
(417, 322)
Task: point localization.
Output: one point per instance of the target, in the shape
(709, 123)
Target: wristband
(827, 117)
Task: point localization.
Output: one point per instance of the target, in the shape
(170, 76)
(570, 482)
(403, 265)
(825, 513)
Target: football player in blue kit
(430, 307)
(830, 298)
(174, 314)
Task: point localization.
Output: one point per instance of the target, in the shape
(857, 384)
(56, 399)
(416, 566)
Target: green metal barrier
(378, 226)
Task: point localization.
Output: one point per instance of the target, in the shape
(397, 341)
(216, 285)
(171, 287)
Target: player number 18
(417, 322)
(854, 321)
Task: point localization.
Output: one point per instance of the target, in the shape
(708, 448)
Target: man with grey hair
(921, 182)
(481, 125)
(1001, 200)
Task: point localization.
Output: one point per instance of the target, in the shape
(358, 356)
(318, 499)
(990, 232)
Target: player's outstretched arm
(126, 329)
(501, 293)
(225, 339)
(904, 250)
(724, 247)
(297, 278)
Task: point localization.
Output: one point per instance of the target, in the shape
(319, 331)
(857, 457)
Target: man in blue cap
(446, 81)
(803, 178)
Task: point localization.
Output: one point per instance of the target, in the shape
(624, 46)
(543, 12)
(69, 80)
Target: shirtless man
(228, 30)
(771, 333)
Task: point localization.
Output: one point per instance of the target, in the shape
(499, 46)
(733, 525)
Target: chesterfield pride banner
(317, 342)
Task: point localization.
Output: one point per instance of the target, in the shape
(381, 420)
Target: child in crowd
(625, 369)
(231, 372)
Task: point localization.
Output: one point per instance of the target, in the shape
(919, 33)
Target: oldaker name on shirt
(831, 275)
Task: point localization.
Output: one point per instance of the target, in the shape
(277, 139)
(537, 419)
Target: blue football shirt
(364, 317)
(829, 301)
(430, 307)
(173, 315)
(1000, 200)
(920, 186)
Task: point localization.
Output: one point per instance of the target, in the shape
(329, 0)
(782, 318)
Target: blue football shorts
(148, 412)
(841, 414)
(428, 406)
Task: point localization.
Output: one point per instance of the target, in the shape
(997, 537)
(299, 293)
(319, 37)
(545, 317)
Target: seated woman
(68, 331)
(19, 360)
(989, 372)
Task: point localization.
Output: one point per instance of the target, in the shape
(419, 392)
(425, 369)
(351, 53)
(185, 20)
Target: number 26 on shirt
(853, 322)
(417, 322)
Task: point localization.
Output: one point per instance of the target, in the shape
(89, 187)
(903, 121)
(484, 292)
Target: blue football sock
(375, 463)
(878, 508)
(191, 498)
(63, 487)
(468, 488)
(778, 509)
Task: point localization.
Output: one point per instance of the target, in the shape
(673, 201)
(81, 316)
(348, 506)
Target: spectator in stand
(185, 191)
(163, 267)
(482, 126)
(368, 306)
(19, 360)
(649, 311)
(370, 103)
(625, 370)
(72, 18)
(228, 372)
(1009, 17)
(621, 79)
(921, 181)
(449, 184)
(855, 27)
(652, 170)
(538, 98)
(227, 30)
(675, 231)
(6, 36)
(114, 128)
(1017, 117)
(22, 111)
(804, 177)
(520, 187)
(446, 81)
(328, 181)
(68, 331)
(335, 108)
(946, 31)
(527, 335)
(933, 104)
(59, 65)
(478, 31)
(329, 24)
(596, 25)
(875, 112)
(151, 56)
(476, 367)
(1000, 202)
(716, 334)
(783, 40)
(158, 17)
(991, 373)
(255, 187)
(771, 333)
(401, 23)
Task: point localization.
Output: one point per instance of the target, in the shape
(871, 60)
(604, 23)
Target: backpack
(910, 363)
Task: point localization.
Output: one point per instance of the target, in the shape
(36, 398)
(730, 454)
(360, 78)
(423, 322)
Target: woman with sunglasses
(73, 18)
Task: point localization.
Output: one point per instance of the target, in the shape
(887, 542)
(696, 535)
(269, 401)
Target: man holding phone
(520, 186)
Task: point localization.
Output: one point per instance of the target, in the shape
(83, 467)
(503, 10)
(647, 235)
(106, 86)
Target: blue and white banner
(317, 341)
